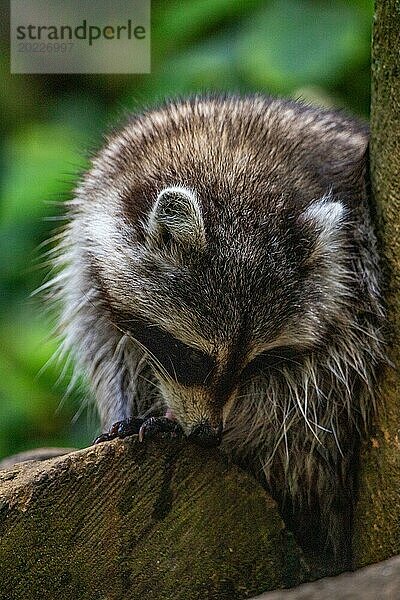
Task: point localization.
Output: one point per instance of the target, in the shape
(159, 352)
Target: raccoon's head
(216, 259)
(213, 294)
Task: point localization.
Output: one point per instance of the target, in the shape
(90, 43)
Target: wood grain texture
(151, 521)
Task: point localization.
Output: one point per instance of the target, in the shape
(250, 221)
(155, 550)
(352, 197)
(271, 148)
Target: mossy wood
(377, 525)
(124, 520)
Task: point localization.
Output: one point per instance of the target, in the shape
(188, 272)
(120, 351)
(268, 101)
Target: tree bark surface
(124, 520)
(377, 524)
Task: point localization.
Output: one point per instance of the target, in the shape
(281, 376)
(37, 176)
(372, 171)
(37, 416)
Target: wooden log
(124, 520)
(35, 454)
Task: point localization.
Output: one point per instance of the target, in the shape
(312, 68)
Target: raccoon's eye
(195, 358)
(271, 359)
(186, 365)
(192, 367)
(257, 366)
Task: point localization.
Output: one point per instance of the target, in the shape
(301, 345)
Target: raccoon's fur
(220, 264)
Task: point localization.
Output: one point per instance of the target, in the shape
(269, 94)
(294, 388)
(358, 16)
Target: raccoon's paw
(121, 429)
(155, 426)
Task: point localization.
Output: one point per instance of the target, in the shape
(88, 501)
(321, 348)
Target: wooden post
(377, 526)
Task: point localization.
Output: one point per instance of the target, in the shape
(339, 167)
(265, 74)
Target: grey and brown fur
(232, 237)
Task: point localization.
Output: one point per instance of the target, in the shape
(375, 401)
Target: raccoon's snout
(205, 435)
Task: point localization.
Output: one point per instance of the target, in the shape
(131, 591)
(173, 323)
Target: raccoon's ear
(325, 218)
(176, 217)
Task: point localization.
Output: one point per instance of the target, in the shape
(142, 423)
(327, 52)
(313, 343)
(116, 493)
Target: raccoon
(219, 277)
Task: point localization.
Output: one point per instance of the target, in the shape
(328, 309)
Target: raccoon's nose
(205, 435)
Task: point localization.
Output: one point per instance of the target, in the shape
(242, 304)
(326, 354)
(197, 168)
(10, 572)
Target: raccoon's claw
(104, 437)
(159, 425)
(146, 428)
(121, 429)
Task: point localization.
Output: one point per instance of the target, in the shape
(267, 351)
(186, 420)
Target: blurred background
(316, 50)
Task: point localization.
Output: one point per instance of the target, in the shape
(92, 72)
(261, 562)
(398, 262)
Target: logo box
(80, 36)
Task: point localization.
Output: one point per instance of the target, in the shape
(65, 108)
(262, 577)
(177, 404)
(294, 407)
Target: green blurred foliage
(313, 49)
